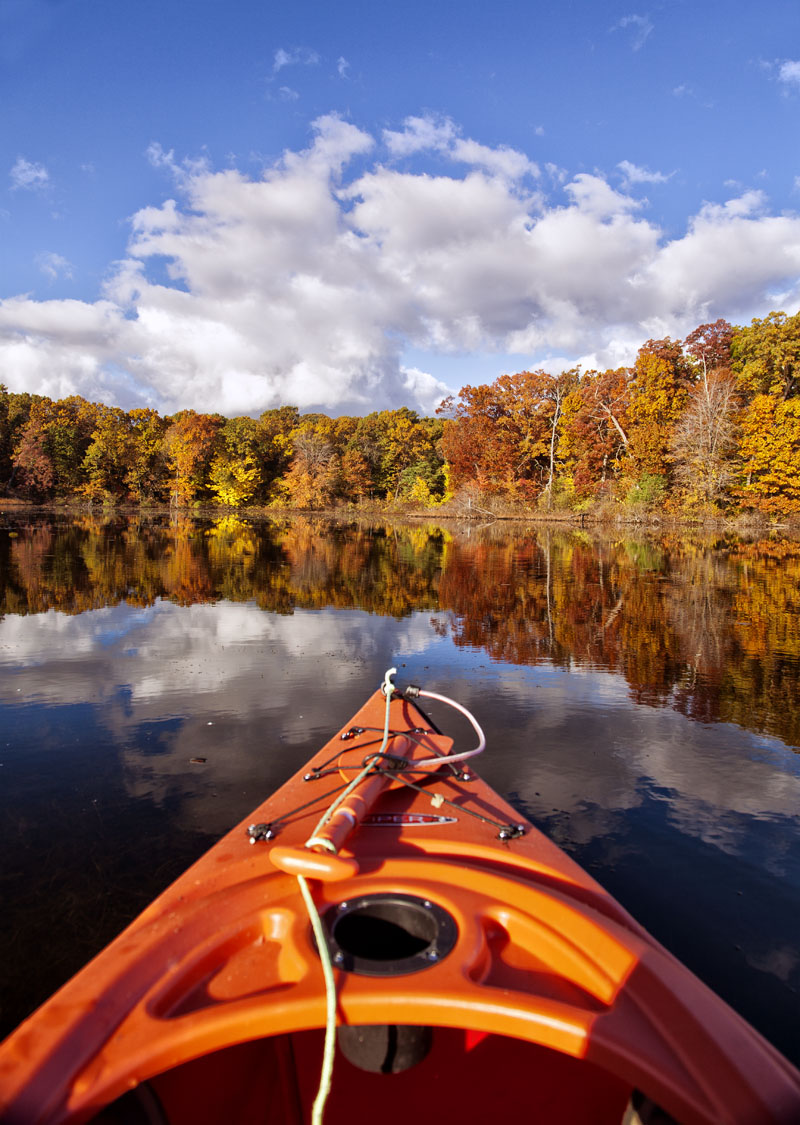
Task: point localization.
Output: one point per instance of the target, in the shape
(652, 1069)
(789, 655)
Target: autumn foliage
(710, 424)
(74, 448)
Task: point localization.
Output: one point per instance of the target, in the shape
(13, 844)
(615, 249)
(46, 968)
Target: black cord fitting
(511, 831)
(261, 832)
(352, 733)
(412, 691)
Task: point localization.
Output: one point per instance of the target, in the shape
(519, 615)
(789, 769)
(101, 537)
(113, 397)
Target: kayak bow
(472, 969)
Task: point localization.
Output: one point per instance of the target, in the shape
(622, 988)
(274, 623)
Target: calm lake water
(641, 698)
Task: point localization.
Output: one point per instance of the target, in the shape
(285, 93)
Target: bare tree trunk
(616, 426)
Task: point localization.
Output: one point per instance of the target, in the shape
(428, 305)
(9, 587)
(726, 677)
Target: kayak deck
(463, 942)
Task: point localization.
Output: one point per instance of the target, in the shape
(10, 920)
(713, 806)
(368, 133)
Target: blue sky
(231, 206)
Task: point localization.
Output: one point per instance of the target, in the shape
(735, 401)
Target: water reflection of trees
(710, 627)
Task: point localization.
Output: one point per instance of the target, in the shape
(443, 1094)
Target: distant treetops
(711, 423)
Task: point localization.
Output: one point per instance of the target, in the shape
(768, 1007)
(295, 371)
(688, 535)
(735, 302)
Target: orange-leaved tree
(595, 428)
(502, 438)
(312, 479)
(189, 443)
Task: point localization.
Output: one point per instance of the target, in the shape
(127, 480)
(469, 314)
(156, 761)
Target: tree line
(710, 424)
(75, 448)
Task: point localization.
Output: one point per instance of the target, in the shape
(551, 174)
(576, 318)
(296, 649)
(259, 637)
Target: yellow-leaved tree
(659, 393)
(233, 478)
(770, 448)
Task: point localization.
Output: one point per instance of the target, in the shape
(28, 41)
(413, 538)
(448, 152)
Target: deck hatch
(385, 935)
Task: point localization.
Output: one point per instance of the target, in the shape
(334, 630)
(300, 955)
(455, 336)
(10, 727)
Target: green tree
(147, 472)
(69, 435)
(387, 443)
(235, 475)
(766, 356)
(274, 451)
(15, 410)
(106, 461)
(52, 444)
(6, 438)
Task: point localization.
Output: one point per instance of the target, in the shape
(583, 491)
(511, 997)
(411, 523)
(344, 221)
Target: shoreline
(749, 524)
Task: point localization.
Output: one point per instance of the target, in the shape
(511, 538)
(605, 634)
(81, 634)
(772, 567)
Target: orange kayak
(385, 935)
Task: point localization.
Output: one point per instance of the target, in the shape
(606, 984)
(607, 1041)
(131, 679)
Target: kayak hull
(454, 928)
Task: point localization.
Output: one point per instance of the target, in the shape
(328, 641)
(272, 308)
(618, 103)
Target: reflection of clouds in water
(580, 746)
(245, 689)
(35, 639)
(567, 741)
(210, 650)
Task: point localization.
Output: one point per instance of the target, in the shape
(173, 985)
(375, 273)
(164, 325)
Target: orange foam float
(476, 972)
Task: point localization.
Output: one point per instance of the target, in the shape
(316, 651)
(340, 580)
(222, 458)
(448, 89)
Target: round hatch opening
(388, 935)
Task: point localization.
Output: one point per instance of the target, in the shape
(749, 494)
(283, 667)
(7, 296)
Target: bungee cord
(413, 692)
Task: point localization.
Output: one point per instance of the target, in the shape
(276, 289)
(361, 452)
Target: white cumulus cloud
(309, 283)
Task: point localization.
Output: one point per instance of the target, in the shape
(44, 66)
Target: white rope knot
(321, 842)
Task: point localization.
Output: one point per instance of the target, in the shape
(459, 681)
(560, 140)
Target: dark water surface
(641, 699)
